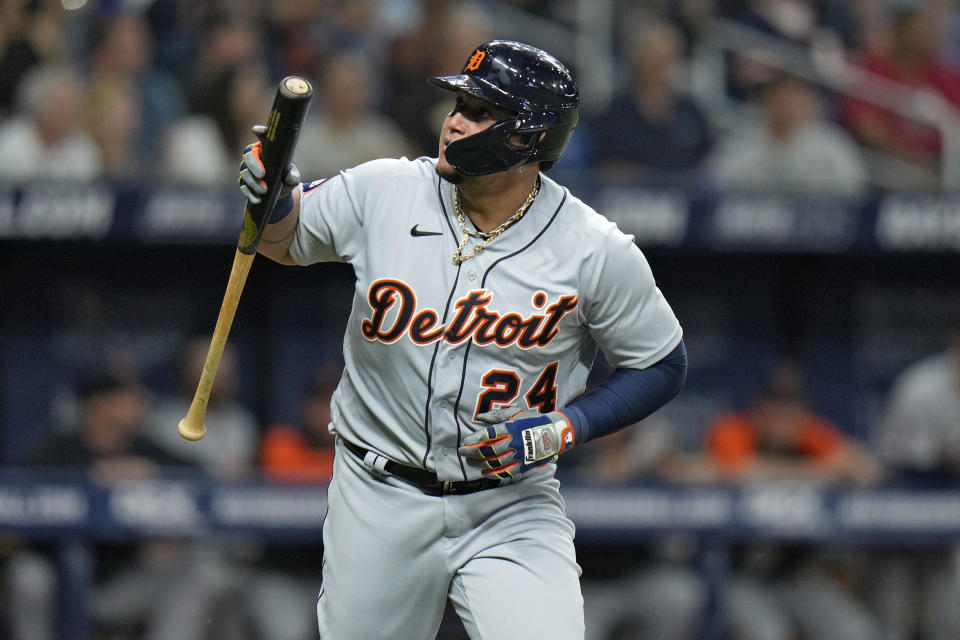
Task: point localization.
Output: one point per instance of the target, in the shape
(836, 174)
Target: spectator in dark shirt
(121, 54)
(652, 130)
(108, 443)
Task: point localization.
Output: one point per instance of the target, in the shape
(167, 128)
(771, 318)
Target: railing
(66, 507)
(73, 513)
(666, 218)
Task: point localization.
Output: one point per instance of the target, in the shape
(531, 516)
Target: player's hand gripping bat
(283, 127)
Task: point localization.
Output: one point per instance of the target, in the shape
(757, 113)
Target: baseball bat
(283, 128)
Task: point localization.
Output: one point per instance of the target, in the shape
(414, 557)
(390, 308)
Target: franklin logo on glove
(528, 446)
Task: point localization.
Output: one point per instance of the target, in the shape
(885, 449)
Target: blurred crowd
(169, 587)
(140, 90)
(782, 590)
(839, 97)
(157, 589)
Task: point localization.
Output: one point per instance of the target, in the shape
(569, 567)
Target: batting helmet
(533, 87)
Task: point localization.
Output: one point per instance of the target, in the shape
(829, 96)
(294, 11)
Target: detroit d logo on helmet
(474, 62)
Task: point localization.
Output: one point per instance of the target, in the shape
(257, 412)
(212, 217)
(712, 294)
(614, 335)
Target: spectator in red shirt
(910, 60)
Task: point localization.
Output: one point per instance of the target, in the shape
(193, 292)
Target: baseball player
(483, 290)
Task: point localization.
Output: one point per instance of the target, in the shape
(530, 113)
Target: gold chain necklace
(486, 236)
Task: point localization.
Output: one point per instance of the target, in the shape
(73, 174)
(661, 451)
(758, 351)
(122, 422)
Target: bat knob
(191, 430)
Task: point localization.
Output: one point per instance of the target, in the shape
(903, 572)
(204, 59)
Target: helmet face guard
(530, 84)
(490, 151)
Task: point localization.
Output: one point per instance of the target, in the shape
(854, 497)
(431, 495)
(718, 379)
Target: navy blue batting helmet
(537, 91)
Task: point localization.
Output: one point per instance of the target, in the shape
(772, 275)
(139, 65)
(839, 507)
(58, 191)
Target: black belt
(425, 480)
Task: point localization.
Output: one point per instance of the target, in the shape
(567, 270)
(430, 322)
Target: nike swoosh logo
(416, 233)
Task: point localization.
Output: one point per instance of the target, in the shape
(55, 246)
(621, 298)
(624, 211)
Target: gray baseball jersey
(431, 344)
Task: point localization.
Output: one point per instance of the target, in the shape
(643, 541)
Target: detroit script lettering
(472, 319)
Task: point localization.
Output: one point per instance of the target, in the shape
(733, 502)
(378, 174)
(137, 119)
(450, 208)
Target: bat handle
(192, 426)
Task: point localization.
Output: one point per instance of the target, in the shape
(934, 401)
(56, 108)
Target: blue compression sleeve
(282, 209)
(628, 396)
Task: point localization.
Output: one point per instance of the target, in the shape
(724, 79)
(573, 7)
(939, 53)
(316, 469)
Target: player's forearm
(277, 237)
(628, 396)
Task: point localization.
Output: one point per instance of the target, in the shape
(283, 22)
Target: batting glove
(252, 171)
(516, 442)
